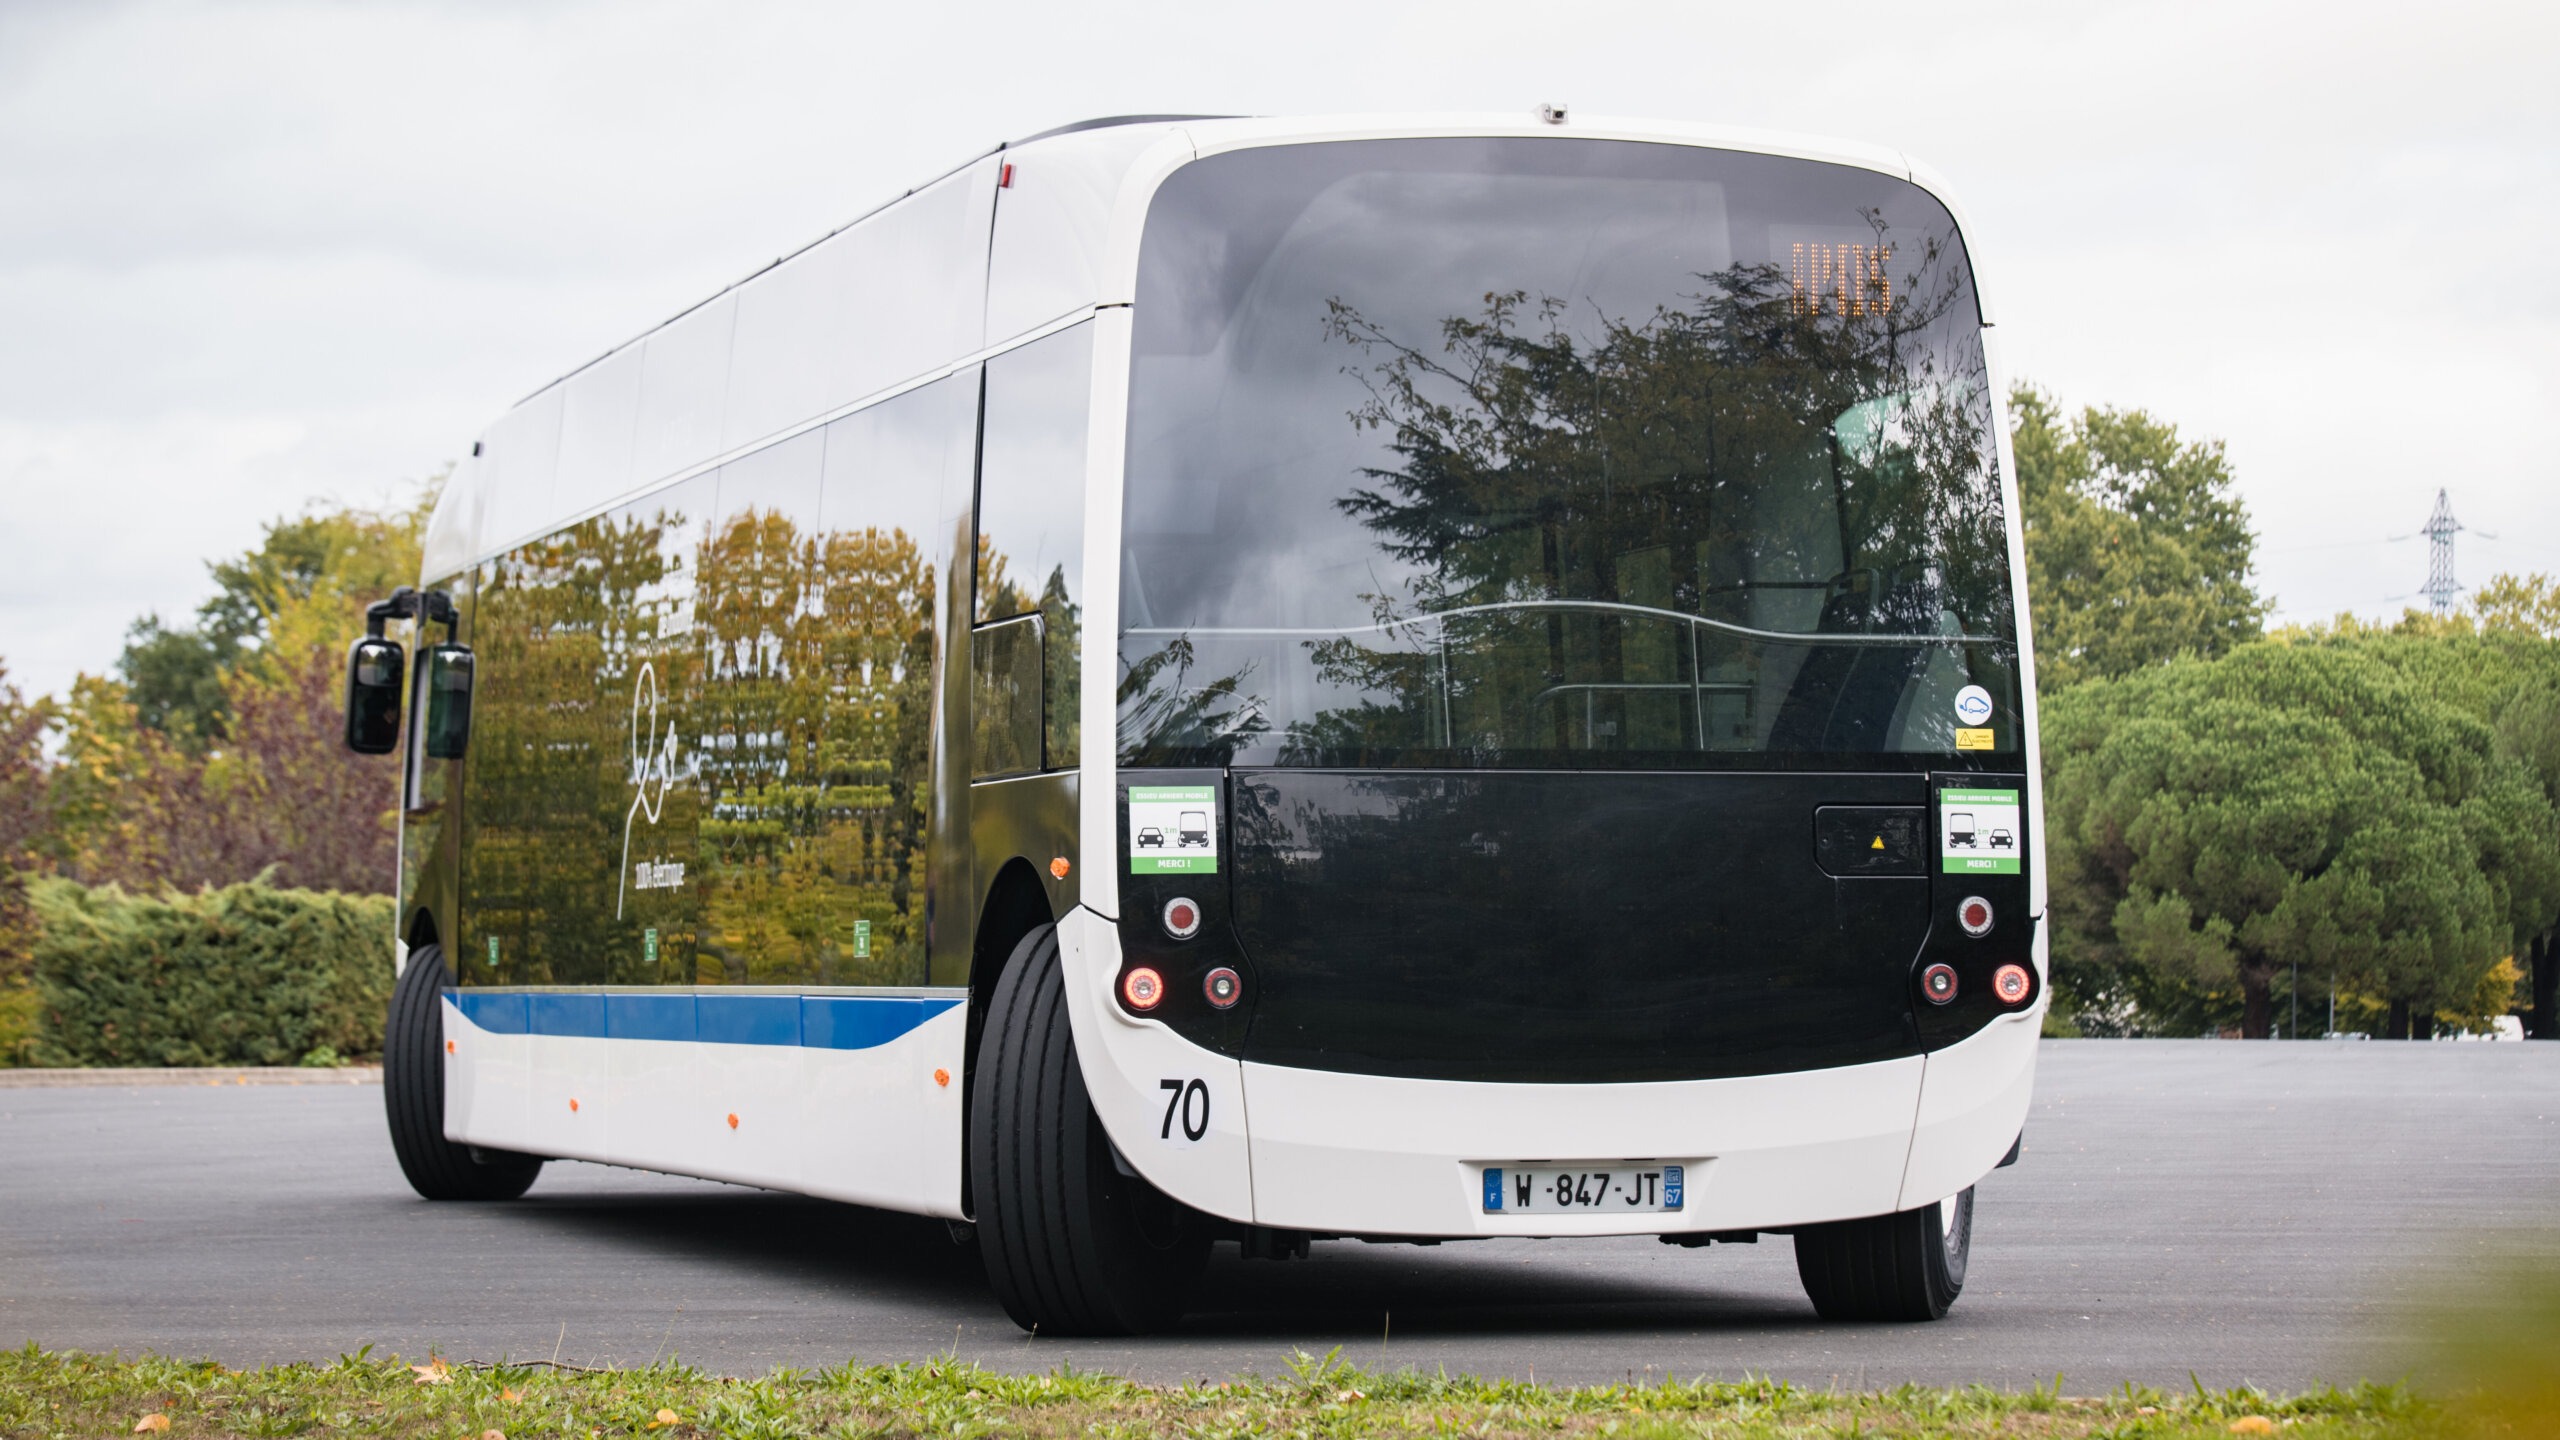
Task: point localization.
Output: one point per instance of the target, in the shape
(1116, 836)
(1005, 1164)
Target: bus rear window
(1557, 452)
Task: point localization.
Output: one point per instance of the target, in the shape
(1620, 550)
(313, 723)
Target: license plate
(1581, 1190)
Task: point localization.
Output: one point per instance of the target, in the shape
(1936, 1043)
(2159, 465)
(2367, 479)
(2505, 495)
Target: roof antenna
(1551, 114)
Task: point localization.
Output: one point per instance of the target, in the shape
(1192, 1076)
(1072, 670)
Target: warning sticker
(1978, 831)
(1173, 829)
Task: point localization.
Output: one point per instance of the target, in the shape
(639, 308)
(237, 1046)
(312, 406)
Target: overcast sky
(253, 255)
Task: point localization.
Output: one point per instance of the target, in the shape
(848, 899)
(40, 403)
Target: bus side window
(1031, 493)
(1004, 697)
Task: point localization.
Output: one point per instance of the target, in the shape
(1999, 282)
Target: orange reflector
(942, 1077)
(1142, 988)
(733, 1122)
(448, 1047)
(2011, 983)
(573, 1104)
(1059, 867)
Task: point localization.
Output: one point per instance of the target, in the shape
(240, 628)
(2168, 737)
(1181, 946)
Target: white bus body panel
(1126, 1063)
(1054, 221)
(886, 301)
(1379, 1155)
(871, 1126)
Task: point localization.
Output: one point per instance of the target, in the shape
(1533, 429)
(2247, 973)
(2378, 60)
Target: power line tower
(2441, 587)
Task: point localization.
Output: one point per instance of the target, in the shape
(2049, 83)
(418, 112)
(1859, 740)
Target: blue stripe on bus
(647, 1017)
(820, 1022)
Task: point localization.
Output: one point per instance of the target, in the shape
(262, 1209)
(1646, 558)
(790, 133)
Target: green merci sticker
(1173, 829)
(1979, 832)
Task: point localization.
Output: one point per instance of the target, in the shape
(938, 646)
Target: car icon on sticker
(1973, 705)
(2003, 840)
(1150, 838)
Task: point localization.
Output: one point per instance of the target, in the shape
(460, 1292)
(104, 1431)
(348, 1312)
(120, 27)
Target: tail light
(1223, 987)
(1938, 982)
(1142, 989)
(2012, 984)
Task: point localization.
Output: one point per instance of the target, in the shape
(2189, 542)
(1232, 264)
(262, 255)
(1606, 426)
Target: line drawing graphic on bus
(1185, 706)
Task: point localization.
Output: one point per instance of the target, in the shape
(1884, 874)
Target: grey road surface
(2248, 1213)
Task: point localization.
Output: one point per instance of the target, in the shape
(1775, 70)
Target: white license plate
(1581, 1189)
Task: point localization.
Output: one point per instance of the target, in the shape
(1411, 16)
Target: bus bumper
(1348, 1154)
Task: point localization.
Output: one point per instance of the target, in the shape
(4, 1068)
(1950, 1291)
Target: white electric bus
(1254, 680)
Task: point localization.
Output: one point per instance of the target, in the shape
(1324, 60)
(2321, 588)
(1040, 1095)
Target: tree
(25, 816)
(219, 756)
(2499, 666)
(2519, 605)
(2138, 547)
(2222, 821)
(175, 675)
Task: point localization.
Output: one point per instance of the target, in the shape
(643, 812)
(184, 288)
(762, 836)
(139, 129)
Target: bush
(245, 975)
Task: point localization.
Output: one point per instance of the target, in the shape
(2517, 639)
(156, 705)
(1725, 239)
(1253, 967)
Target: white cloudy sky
(253, 254)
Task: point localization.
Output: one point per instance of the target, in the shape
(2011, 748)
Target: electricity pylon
(2441, 587)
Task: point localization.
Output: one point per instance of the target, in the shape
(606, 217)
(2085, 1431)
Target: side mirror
(373, 695)
(444, 681)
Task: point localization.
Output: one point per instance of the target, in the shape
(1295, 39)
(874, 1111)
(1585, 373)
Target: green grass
(46, 1394)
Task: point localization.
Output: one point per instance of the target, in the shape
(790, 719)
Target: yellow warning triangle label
(1878, 845)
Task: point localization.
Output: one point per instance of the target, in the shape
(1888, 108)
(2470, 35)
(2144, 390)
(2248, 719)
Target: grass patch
(62, 1394)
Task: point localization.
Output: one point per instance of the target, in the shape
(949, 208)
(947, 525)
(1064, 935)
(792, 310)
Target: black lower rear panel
(1577, 927)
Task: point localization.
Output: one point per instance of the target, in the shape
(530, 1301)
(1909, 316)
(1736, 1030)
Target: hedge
(245, 975)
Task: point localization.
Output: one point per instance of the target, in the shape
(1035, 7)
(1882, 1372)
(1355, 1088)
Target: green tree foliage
(2221, 821)
(2500, 665)
(219, 754)
(175, 676)
(244, 975)
(2138, 547)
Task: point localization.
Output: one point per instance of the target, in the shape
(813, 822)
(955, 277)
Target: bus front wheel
(1074, 1243)
(413, 1097)
(1908, 1266)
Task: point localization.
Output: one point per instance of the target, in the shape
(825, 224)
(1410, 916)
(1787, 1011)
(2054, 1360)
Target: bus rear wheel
(1074, 1243)
(1907, 1266)
(413, 1097)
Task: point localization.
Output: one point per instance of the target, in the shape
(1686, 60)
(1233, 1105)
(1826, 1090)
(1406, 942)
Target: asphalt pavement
(2266, 1214)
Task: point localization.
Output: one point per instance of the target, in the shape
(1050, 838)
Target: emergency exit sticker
(1173, 829)
(1978, 831)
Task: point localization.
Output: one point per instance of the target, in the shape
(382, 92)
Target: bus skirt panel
(848, 1095)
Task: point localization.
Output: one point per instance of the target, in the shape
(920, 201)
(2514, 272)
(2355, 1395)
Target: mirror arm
(432, 607)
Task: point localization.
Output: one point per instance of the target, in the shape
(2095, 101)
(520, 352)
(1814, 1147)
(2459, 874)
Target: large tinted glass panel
(1557, 452)
(582, 642)
(703, 746)
(1031, 492)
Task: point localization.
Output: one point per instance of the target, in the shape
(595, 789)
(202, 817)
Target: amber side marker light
(1938, 982)
(2011, 983)
(1142, 988)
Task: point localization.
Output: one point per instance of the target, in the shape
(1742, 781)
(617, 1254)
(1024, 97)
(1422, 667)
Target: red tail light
(1142, 989)
(1938, 982)
(1223, 987)
(2012, 984)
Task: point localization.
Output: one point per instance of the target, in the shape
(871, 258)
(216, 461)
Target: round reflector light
(1223, 987)
(1938, 982)
(1974, 914)
(1181, 917)
(2011, 983)
(1142, 988)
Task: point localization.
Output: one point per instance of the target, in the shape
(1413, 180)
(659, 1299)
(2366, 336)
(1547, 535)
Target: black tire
(1908, 1266)
(1072, 1245)
(413, 1097)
